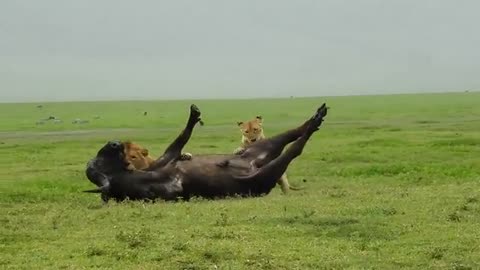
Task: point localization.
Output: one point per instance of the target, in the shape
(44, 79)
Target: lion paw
(223, 163)
(239, 151)
(186, 156)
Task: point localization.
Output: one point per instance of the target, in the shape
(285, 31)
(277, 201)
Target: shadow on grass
(340, 227)
(319, 222)
(462, 142)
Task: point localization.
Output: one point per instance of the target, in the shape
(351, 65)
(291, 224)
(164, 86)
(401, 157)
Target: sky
(56, 50)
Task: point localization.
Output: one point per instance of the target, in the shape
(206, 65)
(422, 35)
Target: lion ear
(239, 123)
(144, 152)
(127, 144)
(259, 118)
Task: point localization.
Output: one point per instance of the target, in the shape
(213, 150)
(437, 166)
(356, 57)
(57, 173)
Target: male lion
(252, 131)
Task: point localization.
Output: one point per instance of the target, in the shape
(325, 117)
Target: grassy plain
(392, 182)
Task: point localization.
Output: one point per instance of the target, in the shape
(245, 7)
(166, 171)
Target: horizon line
(153, 99)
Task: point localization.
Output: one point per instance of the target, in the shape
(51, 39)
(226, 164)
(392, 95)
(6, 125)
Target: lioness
(138, 157)
(252, 131)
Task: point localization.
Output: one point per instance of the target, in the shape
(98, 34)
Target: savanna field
(390, 182)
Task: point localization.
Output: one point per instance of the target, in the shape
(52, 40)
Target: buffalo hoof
(195, 114)
(194, 111)
(317, 119)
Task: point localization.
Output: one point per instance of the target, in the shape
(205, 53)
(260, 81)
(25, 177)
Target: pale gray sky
(113, 49)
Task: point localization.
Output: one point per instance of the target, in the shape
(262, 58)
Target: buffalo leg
(174, 150)
(268, 149)
(271, 172)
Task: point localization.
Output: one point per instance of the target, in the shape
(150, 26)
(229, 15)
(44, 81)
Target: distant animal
(80, 121)
(40, 106)
(252, 131)
(144, 113)
(253, 173)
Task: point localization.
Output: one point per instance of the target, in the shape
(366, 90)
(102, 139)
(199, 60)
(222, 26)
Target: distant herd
(126, 170)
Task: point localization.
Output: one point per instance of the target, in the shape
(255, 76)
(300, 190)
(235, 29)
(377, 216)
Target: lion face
(137, 157)
(252, 130)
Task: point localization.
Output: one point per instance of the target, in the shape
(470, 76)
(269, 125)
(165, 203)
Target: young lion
(252, 131)
(138, 157)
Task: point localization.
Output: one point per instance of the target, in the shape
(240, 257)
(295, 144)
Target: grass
(391, 182)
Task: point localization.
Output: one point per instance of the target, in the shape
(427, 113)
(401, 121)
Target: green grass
(391, 182)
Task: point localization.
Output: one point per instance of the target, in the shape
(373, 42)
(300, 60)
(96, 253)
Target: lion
(252, 131)
(139, 158)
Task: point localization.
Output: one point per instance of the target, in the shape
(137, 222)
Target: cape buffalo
(252, 173)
